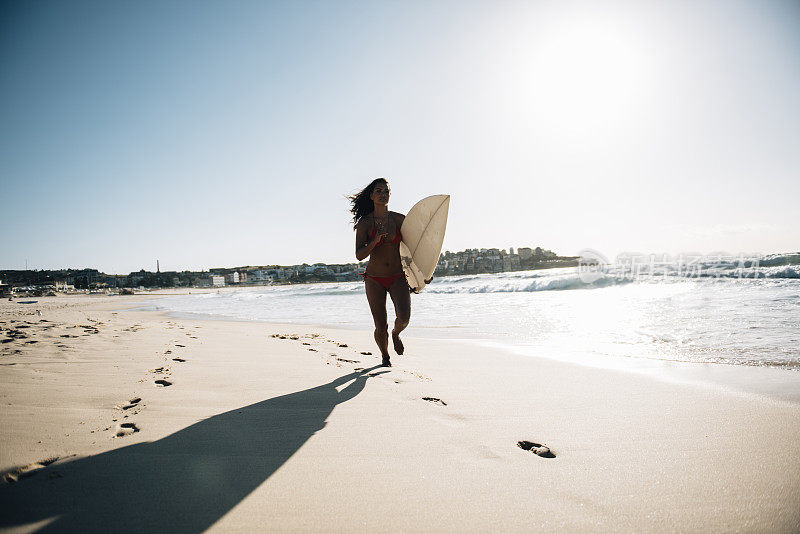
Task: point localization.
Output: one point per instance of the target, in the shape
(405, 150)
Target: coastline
(766, 381)
(258, 432)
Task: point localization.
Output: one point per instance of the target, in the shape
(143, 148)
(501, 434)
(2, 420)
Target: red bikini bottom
(385, 281)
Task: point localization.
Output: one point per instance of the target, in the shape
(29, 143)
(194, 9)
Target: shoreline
(259, 432)
(762, 381)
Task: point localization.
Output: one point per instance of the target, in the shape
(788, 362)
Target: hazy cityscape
(469, 261)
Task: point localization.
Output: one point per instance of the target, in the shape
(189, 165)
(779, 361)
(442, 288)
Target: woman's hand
(363, 251)
(378, 239)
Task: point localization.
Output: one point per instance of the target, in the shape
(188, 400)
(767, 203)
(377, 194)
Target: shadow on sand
(184, 482)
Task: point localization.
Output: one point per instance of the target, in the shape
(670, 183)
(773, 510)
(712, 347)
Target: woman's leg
(401, 297)
(376, 296)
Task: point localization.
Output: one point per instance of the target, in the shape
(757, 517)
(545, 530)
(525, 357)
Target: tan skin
(384, 261)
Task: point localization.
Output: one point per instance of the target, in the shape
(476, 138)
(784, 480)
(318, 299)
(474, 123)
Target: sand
(259, 427)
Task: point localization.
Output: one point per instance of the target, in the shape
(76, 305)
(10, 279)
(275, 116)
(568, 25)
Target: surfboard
(423, 235)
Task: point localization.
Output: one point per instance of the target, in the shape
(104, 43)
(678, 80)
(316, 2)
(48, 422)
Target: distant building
(259, 275)
(232, 278)
(283, 273)
(525, 252)
(63, 286)
(218, 281)
(320, 269)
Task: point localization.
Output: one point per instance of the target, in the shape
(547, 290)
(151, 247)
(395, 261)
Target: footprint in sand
(419, 376)
(163, 383)
(347, 361)
(18, 473)
(178, 360)
(366, 353)
(133, 403)
(536, 448)
(125, 429)
(181, 346)
(434, 400)
(313, 350)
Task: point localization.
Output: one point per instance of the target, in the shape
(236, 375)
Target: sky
(213, 134)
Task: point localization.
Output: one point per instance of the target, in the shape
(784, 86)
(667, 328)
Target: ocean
(724, 311)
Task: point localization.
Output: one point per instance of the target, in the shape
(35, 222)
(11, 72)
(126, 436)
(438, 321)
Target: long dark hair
(361, 204)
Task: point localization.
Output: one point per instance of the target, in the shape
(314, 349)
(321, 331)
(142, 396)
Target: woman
(378, 236)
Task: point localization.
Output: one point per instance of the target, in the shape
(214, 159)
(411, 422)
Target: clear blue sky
(209, 134)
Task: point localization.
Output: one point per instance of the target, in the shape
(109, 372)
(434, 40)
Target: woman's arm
(364, 246)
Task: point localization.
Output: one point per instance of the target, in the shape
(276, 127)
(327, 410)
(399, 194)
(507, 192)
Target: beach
(129, 420)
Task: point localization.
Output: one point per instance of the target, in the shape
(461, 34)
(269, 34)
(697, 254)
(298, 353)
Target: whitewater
(726, 313)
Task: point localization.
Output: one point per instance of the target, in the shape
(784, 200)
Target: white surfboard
(423, 235)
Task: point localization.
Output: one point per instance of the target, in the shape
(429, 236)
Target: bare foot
(398, 345)
(386, 362)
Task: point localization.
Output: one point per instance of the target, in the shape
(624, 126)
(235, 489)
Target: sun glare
(585, 76)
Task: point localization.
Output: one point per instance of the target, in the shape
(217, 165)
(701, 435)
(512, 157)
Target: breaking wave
(498, 283)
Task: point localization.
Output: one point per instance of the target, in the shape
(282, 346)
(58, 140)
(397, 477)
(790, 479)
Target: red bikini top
(396, 240)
